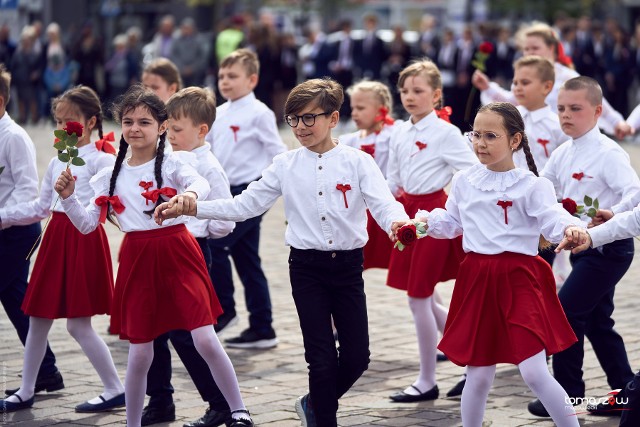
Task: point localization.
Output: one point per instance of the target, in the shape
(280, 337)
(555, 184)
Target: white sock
(535, 373)
(135, 381)
(427, 334)
(34, 349)
(207, 343)
(475, 393)
(99, 355)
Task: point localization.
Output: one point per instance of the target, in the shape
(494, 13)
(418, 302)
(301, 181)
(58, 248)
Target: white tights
(426, 322)
(92, 345)
(209, 347)
(536, 375)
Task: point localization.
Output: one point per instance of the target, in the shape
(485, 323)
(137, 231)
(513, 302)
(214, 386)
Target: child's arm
(444, 223)
(613, 121)
(490, 91)
(575, 239)
(456, 151)
(552, 218)
(21, 159)
(634, 119)
(621, 226)
(85, 219)
(269, 135)
(393, 170)
(622, 179)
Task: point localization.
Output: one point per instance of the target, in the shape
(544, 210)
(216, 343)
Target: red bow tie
(153, 195)
(104, 201)
(444, 113)
(105, 145)
(146, 184)
(505, 204)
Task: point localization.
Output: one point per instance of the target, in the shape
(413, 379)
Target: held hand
(602, 216)
(575, 239)
(623, 129)
(66, 184)
(395, 226)
(181, 204)
(480, 80)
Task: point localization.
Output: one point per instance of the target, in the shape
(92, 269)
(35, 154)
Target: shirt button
(330, 242)
(320, 167)
(319, 156)
(320, 193)
(333, 255)
(323, 218)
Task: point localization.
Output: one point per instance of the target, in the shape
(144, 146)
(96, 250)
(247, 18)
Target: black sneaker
(250, 339)
(225, 321)
(305, 411)
(154, 415)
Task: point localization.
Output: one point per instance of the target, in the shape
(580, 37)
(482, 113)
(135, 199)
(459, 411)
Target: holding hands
(602, 216)
(575, 239)
(66, 184)
(181, 204)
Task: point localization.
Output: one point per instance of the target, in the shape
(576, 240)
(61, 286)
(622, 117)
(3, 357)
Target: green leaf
(588, 200)
(399, 245)
(580, 209)
(77, 161)
(72, 140)
(73, 152)
(63, 157)
(60, 146)
(591, 212)
(60, 134)
(596, 204)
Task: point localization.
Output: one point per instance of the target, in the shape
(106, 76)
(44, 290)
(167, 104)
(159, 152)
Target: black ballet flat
(403, 397)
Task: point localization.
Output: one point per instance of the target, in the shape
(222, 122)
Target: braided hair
(514, 124)
(139, 96)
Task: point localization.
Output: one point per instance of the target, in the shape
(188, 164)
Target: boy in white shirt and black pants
(244, 138)
(595, 166)
(327, 188)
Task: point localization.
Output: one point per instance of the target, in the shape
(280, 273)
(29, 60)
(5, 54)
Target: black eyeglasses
(308, 119)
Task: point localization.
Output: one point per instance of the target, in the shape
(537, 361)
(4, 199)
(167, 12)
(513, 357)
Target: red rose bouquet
(409, 233)
(589, 208)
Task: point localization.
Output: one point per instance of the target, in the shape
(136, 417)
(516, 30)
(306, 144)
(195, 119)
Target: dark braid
(122, 152)
(157, 169)
(99, 126)
(527, 154)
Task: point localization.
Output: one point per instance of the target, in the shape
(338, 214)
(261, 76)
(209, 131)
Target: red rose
(407, 234)
(570, 205)
(73, 127)
(485, 47)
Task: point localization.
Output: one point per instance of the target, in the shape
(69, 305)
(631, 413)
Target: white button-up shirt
(244, 138)
(543, 131)
(595, 166)
(319, 214)
(608, 120)
(176, 174)
(621, 226)
(19, 176)
(634, 117)
(39, 208)
(376, 143)
(499, 212)
(424, 156)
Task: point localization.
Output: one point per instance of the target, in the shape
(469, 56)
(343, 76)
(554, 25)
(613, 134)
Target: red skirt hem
(377, 251)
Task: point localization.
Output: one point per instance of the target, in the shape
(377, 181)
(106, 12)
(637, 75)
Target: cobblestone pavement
(271, 379)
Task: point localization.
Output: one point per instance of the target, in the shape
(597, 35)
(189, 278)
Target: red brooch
(505, 204)
(544, 143)
(421, 146)
(344, 188)
(153, 195)
(579, 175)
(235, 130)
(369, 149)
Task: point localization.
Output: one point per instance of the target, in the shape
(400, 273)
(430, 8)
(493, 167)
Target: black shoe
(16, 406)
(225, 321)
(305, 411)
(105, 405)
(250, 339)
(49, 383)
(244, 420)
(457, 389)
(537, 408)
(211, 418)
(406, 398)
(610, 408)
(441, 357)
(153, 415)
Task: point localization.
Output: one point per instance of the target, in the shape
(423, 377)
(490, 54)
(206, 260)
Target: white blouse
(634, 119)
(176, 174)
(499, 212)
(19, 176)
(595, 166)
(325, 198)
(424, 156)
(544, 134)
(375, 144)
(39, 208)
(245, 138)
(608, 120)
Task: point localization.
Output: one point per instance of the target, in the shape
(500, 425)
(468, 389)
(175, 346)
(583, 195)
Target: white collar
(487, 180)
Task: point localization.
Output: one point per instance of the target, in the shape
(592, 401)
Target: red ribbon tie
(103, 202)
(344, 188)
(105, 145)
(505, 204)
(421, 146)
(235, 130)
(544, 143)
(579, 175)
(369, 149)
(153, 195)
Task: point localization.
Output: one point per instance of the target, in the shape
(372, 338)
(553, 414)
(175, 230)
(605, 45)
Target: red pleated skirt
(162, 285)
(377, 251)
(72, 275)
(419, 267)
(504, 309)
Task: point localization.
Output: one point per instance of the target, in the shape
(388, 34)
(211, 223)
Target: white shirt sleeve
(609, 115)
(85, 219)
(445, 223)
(21, 156)
(33, 211)
(393, 172)
(495, 93)
(621, 226)
(456, 152)
(269, 135)
(622, 180)
(634, 119)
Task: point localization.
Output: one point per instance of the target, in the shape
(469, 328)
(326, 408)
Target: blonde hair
(543, 67)
(545, 32)
(245, 57)
(423, 67)
(379, 90)
(195, 103)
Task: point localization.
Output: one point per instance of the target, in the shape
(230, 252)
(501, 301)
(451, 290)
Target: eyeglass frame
(480, 136)
(288, 118)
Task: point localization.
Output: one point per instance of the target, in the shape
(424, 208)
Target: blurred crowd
(45, 62)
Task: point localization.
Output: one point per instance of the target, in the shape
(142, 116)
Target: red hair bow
(384, 117)
(369, 149)
(103, 202)
(153, 195)
(105, 145)
(562, 57)
(444, 113)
